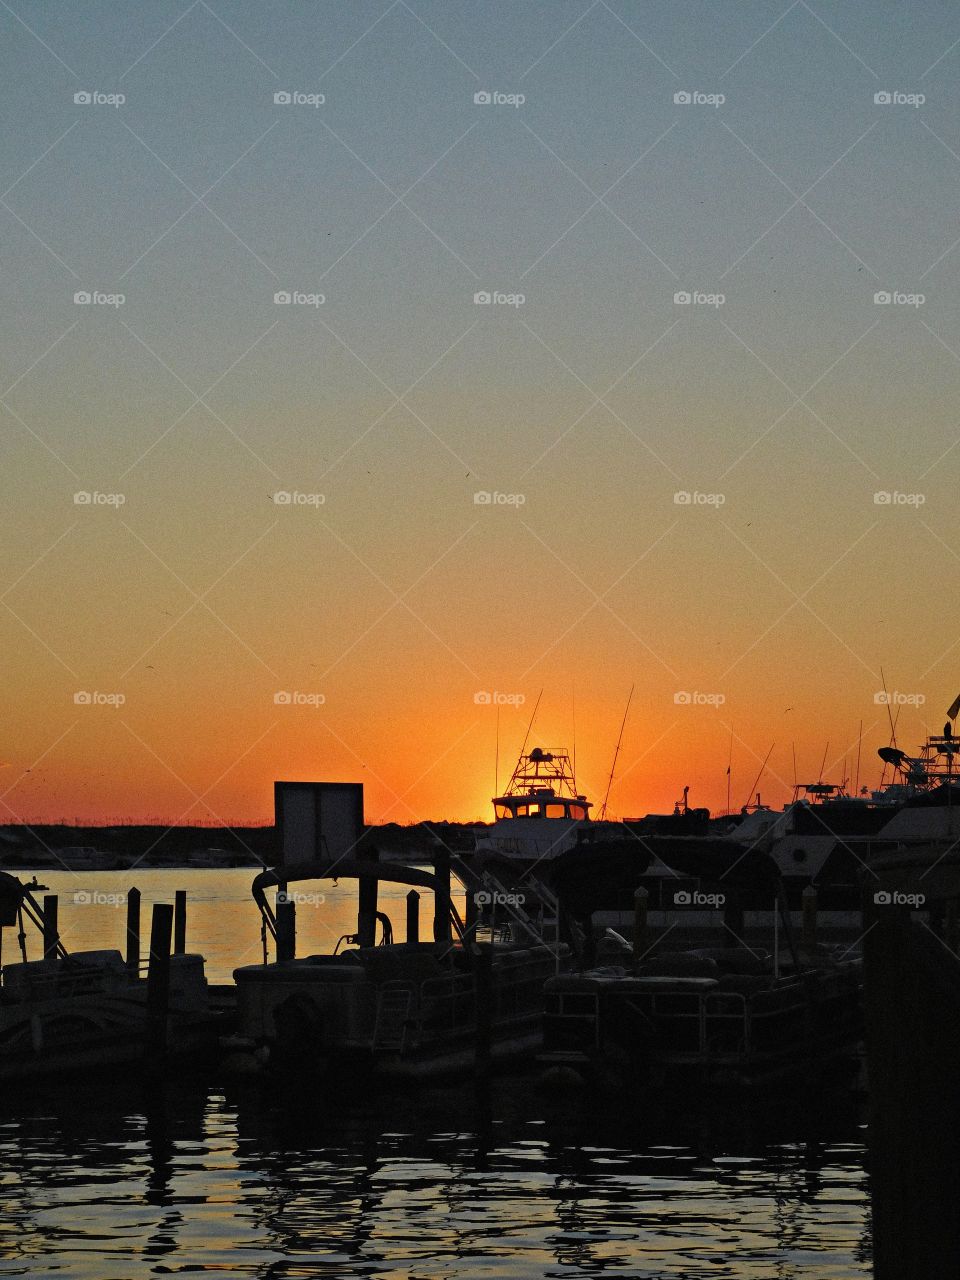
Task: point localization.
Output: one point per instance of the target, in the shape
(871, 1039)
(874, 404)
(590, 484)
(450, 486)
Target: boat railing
(56, 983)
(711, 1024)
(445, 1008)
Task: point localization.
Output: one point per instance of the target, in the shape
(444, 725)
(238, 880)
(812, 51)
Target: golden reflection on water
(411, 1188)
(223, 923)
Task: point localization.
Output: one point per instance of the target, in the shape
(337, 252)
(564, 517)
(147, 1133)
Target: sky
(621, 352)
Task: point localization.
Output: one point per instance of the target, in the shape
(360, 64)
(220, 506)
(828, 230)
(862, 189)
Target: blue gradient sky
(398, 399)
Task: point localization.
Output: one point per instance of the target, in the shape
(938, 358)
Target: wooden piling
(471, 914)
(51, 933)
(367, 894)
(482, 954)
(641, 899)
(180, 922)
(441, 902)
(286, 925)
(413, 916)
(912, 1017)
(158, 983)
(809, 908)
(133, 931)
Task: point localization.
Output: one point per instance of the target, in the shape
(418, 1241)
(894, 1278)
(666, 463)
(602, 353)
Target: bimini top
(542, 786)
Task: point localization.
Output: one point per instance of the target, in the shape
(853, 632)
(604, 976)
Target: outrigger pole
(623, 724)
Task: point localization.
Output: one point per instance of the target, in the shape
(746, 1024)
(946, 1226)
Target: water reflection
(117, 1182)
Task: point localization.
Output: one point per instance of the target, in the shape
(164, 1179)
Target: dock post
(158, 982)
(413, 916)
(133, 931)
(471, 914)
(809, 904)
(367, 902)
(641, 900)
(286, 925)
(441, 902)
(483, 1005)
(180, 922)
(51, 933)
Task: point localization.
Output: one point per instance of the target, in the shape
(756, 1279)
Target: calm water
(223, 924)
(438, 1186)
(114, 1183)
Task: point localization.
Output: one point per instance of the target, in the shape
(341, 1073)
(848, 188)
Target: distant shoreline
(58, 846)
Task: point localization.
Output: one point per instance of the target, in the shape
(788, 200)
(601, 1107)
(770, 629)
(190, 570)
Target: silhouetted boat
(87, 1009)
(723, 1016)
(540, 813)
(409, 1010)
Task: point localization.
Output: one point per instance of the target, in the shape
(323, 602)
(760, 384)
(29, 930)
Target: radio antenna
(729, 764)
(496, 758)
(573, 695)
(856, 785)
(526, 736)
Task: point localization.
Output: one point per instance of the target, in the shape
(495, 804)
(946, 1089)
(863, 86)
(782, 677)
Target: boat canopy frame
(360, 869)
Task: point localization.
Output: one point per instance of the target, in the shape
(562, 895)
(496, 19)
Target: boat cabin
(543, 786)
(542, 804)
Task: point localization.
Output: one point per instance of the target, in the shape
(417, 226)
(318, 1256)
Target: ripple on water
(240, 1188)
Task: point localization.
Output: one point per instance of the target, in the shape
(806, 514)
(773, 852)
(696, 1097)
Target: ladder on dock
(544, 927)
(393, 1016)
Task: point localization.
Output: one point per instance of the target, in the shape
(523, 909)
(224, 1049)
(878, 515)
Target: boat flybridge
(541, 813)
(935, 765)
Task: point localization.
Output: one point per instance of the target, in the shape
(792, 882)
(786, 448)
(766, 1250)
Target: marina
(479, 786)
(496, 967)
